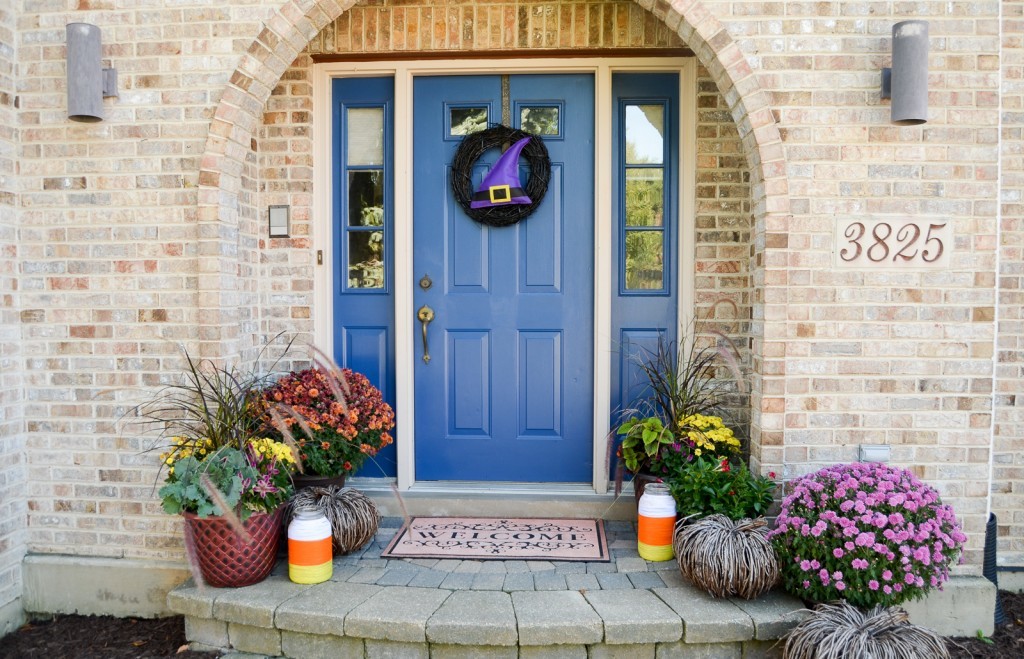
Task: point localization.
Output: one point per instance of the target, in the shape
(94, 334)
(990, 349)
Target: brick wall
(286, 177)
(128, 238)
(1008, 445)
(722, 277)
(112, 272)
(885, 356)
(381, 26)
(12, 429)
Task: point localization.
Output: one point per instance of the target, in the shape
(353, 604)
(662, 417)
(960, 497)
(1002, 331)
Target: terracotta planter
(311, 480)
(225, 559)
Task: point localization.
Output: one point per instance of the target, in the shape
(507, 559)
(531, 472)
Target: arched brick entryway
(286, 34)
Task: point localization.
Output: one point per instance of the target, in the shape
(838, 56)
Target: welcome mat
(498, 539)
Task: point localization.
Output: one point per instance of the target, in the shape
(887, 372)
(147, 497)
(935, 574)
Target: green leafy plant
(216, 457)
(685, 396)
(208, 481)
(707, 485)
(644, 439)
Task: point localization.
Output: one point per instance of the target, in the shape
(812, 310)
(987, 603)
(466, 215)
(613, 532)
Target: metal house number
(914, 243)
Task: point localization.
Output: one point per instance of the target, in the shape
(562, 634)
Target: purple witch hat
(501, 185)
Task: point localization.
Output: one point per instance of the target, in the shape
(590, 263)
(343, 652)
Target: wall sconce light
(906, 83)
(88, 82)
(279, 223)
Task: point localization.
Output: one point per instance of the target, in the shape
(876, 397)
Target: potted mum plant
(222, 476)
(866, 537)
(683, 394)
(337, 420)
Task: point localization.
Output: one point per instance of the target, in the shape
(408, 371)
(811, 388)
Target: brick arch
(289, 30)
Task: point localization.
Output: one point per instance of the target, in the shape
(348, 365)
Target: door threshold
(469, 498)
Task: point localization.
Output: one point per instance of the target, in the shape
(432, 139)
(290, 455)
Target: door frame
(404, 71)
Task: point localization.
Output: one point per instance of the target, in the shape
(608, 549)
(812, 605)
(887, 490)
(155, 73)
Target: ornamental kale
(866, 532)
(257, 478)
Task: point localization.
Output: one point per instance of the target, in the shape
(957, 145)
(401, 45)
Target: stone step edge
(766, 619)
(292, 645)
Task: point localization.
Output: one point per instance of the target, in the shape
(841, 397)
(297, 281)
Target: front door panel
(508, 392)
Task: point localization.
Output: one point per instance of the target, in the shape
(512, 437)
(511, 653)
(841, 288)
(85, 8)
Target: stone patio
(468, 609)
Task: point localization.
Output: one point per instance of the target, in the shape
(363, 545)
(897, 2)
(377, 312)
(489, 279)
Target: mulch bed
(1006, 643)
(101, 637)
(104, 637)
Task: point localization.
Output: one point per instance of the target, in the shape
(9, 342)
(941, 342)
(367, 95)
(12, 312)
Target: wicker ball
(839, 630)
(726, 558)
(353, 515)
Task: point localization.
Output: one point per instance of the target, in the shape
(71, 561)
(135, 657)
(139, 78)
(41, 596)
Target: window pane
(468, 120)
(366, 136)
(539, 120)
(645, 261)
(366, 198)
(645, 130)
(645, 197)
(366, 259)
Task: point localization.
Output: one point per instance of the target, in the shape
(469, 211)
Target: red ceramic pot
(226, 560)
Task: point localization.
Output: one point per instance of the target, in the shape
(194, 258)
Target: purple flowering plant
(869, 533)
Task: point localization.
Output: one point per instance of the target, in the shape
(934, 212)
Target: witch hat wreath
(501, 185)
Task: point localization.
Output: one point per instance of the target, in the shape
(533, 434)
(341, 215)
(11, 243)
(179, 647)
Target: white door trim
(404, 72)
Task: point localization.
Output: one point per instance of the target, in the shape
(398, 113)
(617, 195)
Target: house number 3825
(877, 243)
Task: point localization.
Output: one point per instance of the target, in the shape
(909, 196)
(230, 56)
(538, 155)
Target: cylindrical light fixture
(909, 73)
(85, 73)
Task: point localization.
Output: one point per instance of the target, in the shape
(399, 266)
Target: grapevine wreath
(469, 152)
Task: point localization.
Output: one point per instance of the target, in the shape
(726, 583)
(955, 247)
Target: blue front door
(507, 394)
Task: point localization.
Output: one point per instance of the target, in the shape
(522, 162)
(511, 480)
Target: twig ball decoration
(725, 558)
(839, 630)
(353, 515)
(474, 146)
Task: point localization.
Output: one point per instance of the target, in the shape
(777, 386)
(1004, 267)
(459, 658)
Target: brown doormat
(500, 539)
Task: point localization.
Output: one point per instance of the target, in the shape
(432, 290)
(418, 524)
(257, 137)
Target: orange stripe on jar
(309, 552)
(655, 530)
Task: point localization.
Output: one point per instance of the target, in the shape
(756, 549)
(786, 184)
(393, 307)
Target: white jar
(656, 519)
(309, 547)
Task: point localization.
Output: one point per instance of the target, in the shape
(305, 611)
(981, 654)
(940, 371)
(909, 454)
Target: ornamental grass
(353, 515)
(842, 631)
(727, 558)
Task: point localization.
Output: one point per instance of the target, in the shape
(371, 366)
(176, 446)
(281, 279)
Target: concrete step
(446, 608)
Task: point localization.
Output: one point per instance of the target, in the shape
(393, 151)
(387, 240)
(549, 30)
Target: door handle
(425, 314)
